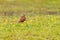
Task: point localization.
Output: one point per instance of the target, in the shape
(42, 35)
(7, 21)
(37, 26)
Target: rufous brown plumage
(22, 19)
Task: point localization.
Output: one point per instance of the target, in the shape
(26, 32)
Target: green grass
(36, 27)
(47, 28)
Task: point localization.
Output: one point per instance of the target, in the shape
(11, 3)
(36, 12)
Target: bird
(22, 19)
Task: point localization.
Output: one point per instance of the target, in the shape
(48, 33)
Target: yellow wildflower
(5, 21)
(30, 21)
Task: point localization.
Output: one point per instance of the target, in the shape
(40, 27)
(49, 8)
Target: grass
(35, 28)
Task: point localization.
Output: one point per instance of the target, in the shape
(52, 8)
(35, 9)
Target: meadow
(34, 28)
(38, 25)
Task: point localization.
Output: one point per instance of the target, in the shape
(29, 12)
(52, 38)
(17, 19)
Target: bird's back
(22, 19)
